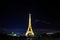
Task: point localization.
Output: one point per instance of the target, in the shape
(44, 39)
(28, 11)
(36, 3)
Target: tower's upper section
(29, 19)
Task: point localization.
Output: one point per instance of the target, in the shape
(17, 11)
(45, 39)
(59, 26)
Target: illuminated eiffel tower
(29, 30)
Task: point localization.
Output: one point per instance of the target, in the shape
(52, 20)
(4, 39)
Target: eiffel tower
(29, 30)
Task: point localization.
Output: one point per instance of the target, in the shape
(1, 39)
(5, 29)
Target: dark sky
(14, 15)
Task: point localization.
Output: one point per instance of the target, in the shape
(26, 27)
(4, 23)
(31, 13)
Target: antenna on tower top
(30, 14)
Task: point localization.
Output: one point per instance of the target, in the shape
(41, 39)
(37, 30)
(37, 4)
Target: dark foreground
(55, 36)
(23, 38)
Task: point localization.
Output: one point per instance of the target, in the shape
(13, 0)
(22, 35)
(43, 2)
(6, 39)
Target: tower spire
(29, 30)
(29, 20)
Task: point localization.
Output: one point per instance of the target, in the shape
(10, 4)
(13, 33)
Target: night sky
(14, 16)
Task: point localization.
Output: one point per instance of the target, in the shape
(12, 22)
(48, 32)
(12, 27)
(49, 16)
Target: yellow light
(29, 30)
